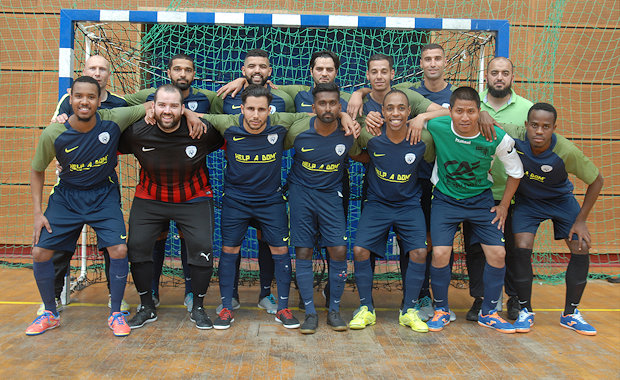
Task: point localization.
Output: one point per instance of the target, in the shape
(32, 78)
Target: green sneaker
(412, 319)
(362, 318)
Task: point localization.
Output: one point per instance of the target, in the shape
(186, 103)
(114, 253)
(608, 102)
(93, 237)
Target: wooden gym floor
(257, 347)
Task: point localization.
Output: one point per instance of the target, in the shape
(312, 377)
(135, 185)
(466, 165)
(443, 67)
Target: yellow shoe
(412, 319)
(363, 318)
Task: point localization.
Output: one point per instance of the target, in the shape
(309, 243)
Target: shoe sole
(295, 326)
(338, 328)
(223, 327)
(361, 327)
(307, 331)
(587, 333)
(522, 330)
(201, 327)
(418, 330)
(119, 334)
(438, 329)
(41, 332)
(143, 323)
(496, 329)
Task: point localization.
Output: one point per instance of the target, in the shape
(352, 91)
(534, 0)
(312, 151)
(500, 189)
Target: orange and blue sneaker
(494, 321)
(524, 321)
(576, 322)
(440, 319)
(43, 322)
(118, 324)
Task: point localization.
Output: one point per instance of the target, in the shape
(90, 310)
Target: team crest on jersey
(104, 137)
(272, 109)
(192, 105)
(191, 151)
(272, 138)
(546, 168)
(409, 158)
(340, 148)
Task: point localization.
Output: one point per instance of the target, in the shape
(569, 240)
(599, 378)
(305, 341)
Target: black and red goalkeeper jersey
(173, 165)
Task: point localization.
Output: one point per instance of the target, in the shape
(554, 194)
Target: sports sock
(440, 281)
(141, 275)
(425, 291)
(493, 279)
(44, 276)
(282, 264)
(186, 269)
(338, 278)
(363, 280)
(237, 272)
(226, 273)
(415, 278)
(201, 277)
(159, 253)
(474, 260)
(119, 268)
(266, 268)
(523, 276)
(576, 279)
(305, 279)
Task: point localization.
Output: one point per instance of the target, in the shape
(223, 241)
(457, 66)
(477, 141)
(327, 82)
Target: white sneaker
(268, 304)
(235, 305)
(189, 301)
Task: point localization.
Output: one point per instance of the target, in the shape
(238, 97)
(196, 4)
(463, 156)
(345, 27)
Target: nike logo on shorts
(144, 149)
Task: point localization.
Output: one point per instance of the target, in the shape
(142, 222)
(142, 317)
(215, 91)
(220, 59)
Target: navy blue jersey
(232, 106)
(371, 105)
(113, 101)
(319, 161)
(440, 97)
(302, 95)
(88, 159)
(253, 171)
(546, 174)
(393, 170)
(198, 100)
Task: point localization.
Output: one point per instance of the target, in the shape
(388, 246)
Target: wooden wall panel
(16, 213)
(16, 154)
(27, 99)
(30, 42)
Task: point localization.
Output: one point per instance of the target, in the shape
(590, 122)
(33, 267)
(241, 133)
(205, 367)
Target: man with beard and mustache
(315, 199)
(506, 107)
(181, 71)
(174, 185)
(86, 193)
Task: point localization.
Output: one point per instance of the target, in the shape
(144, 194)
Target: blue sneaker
(524, 321)
(576, 322)
(440, 319)
(494, 321)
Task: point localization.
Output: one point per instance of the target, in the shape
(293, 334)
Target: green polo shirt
(513, 112)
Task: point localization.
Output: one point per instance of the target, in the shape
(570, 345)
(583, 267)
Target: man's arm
(355, 106)
(506, 153)
(63, 109)
(501, 209)
(579, 227)
(37, 179)
(416, 125)
(138, 97)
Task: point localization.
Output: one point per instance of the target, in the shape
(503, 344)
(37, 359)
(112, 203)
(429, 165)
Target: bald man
(98, 68)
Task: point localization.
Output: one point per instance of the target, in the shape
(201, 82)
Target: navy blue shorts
(529, 213)
(448, 212)
(68, 209)
(271, 218)
(313, 212)
(376, 220)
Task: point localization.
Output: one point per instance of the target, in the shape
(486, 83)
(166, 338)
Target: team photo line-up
(435, 156)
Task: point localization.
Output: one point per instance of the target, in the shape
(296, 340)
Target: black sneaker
(336, 322)
(223, 320)
(145, 314)
(311, 323)
(472, 314)
(285, 316)
(201, 319)
(513, 307)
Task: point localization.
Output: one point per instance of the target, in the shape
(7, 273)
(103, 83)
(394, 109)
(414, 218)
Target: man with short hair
(174, 185)
(462, 193)
(87, 193)
(393, 201)
(545, 192)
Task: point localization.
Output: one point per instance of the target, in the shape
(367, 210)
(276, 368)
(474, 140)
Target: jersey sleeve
(123, 116)
(575, 161)
(211, 95)
(287, 119)
(217, 106)
(429, 153)
(45, 152)
(296, 129)
(345, 95)
(214, 139)
(417, 102)
(507, 154)
(292, 90)
(289, 104)
(406, 85)
(138, 97)
(63, 106)
(221, 122)
(517, 132)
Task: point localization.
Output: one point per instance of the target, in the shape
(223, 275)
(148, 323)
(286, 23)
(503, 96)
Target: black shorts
(149, 217)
